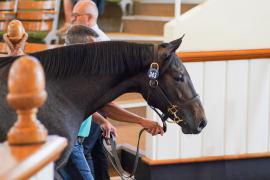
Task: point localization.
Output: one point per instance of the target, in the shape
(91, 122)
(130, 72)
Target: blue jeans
(77, 166)
(95, 154)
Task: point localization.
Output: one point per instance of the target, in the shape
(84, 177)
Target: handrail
(202, 56)
(22, 162)
(205, 159)
(192, 56)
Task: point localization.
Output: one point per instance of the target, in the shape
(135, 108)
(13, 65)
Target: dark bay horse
(82, 78)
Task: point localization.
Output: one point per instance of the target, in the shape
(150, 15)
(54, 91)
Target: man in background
(68, 10)
(85, 13)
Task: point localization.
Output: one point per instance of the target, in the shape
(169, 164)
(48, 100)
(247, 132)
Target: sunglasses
(75, 15)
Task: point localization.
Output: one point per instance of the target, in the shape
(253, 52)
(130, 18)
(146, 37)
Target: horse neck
(123, 87)
(137, 83)
(90, 94)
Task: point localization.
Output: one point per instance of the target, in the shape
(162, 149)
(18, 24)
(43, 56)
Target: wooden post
(26, 84)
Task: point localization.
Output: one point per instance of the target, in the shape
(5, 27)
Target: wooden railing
(205, 159)
(244, 166)
(23, 162)
(203, 56)
(195, 56)
(28, 150)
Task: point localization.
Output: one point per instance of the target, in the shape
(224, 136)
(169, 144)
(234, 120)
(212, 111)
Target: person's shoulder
(102, 35)
(95, 28)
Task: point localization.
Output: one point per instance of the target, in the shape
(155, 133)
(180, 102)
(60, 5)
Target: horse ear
(173, 45)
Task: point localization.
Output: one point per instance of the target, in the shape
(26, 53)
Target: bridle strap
(172, 109)
(161, 93)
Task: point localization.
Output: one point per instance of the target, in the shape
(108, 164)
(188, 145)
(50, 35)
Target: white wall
(223, 24)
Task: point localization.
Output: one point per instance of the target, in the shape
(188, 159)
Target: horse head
(170, 90)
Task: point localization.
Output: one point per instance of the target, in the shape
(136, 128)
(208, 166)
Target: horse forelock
(110, 57)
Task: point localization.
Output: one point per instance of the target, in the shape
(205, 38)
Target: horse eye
(179, 78)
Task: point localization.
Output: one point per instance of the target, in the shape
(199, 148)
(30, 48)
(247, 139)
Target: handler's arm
(105, 125)
(119, 114)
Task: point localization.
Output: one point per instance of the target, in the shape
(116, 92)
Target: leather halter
(172, 109)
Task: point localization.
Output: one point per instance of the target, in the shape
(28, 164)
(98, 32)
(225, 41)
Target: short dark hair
(79, 34)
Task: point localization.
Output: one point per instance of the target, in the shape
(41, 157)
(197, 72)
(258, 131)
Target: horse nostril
(202, 125)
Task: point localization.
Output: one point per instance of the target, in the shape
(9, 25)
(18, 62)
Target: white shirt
(101, 34)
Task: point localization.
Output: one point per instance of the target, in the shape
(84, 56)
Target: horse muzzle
(186, 129)
(202, 124)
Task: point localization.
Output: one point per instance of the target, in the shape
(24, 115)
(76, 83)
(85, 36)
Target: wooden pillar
(26, 84)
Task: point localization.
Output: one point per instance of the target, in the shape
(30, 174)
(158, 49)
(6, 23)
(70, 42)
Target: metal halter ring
(153, 83)
(154, 64)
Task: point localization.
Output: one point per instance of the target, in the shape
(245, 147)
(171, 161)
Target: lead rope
(114, 159)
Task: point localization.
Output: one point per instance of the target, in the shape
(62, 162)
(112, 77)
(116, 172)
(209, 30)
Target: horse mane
(109, 57)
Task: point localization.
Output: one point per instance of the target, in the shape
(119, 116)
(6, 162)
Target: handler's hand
(152, 127)
(18, 48)
(21, 43)
(108, 128)
(8, 43)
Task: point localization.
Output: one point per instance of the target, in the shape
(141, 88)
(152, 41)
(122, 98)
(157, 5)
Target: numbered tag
(153, 72)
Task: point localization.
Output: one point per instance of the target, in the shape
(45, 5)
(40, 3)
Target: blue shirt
(85, 127)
